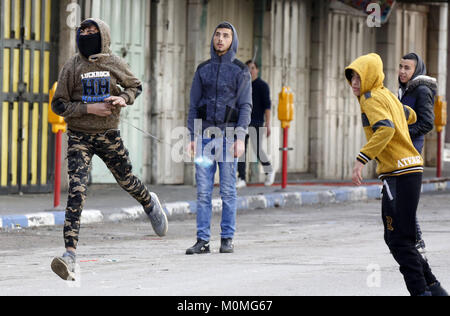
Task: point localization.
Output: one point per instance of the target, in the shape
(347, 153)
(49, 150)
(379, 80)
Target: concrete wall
(287, 63)
(437, 67)
(336, 130)
(168, 85)
(421, 29)
(304, 44)
(66, 50)
(411, 28)
(181, 33)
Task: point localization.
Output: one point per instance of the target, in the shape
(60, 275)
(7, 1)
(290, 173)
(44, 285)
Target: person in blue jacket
(218, 120)
(417, 90)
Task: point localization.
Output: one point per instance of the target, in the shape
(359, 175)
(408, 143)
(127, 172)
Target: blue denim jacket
(221, 94)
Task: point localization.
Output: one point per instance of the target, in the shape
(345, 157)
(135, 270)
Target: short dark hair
(248, 63)
(225, 25)
(411, 56)
(87, 24)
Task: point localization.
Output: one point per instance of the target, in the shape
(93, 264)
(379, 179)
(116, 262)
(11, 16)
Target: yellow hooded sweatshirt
(385, 120)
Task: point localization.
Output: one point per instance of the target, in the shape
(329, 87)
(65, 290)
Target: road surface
(320, 250)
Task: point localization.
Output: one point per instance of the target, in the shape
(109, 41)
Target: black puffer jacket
(419, 94)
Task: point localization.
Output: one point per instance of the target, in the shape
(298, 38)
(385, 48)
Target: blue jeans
(221, 152)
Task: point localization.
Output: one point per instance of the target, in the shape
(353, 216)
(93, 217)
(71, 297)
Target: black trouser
(419, 230)
(261, 155)
(401, 197)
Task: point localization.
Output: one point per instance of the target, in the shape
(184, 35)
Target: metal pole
(57, 193)
(285, 158)
(439, 156)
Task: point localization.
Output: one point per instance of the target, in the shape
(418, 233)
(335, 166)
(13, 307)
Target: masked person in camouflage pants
(90, 100)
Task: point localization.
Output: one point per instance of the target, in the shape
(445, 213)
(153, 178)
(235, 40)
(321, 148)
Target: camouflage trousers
(110, 148)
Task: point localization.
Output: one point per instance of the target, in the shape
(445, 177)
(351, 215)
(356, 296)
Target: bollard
(286, 116)
(440, 111)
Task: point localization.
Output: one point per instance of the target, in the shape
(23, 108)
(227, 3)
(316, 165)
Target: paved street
(329, 250)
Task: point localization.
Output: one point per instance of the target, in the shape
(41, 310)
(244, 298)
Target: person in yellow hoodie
(400, 167)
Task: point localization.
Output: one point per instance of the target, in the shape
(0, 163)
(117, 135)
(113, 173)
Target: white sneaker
(157, 216)
(64, 267)
(241, 184)
(270, 179)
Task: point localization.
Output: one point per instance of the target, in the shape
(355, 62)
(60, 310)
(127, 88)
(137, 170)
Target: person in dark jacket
(219, 116)
(417, 90)
(261, 118)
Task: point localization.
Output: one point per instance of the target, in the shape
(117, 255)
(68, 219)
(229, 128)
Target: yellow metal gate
(28, 63)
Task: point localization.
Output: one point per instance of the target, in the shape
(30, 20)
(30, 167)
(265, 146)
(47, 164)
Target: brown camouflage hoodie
(83, 81)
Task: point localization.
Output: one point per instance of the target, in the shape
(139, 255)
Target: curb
(274, 200)
(46, 219)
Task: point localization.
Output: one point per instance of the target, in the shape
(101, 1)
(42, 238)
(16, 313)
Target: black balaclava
(90, 44)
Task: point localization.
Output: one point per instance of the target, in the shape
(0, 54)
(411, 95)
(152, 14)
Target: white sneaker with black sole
(64, 267)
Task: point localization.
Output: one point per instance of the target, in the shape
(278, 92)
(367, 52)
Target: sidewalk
(111, 203)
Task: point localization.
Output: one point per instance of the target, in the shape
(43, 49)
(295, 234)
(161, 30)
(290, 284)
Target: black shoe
(201, 247)
(437, 290)
(226, 245)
